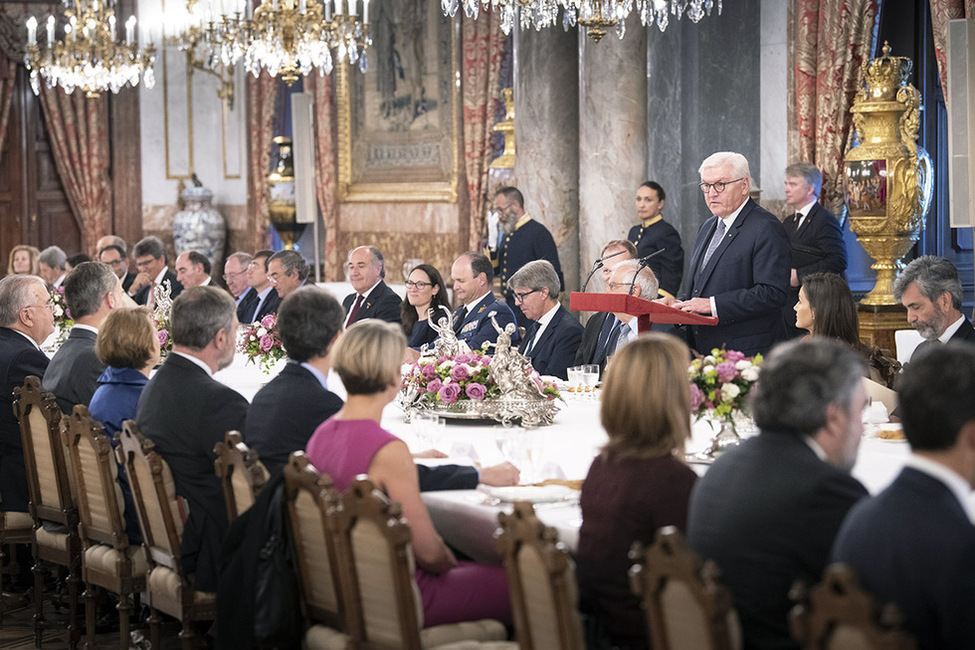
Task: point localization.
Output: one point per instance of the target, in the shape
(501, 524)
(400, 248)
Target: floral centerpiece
(62, 316)
(260, 343)
(720, 383)
(453, 380)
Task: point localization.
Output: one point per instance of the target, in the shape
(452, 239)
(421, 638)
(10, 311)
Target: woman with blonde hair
(637, 484)
(23, 260)
(367, 359)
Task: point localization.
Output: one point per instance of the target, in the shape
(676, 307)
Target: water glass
(590, 376)
(575, 377)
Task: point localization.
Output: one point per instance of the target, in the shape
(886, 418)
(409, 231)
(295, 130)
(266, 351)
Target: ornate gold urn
(281, 195)
(888, 177)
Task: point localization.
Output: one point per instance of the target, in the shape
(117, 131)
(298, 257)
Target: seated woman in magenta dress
(367, 358)
(636, 485)
(128, 345)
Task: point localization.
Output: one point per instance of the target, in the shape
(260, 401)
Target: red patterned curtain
(261, 95)
(8, 74)
(833, 38)
(941, 12)
(325, 170)
(483, 46)
(78, 128)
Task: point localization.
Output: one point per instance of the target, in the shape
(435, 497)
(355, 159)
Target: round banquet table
(468, 519)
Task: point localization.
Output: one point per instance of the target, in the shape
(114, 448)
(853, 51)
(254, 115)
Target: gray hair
(539, 274)
(308, 320)
(934, 276)
(291, 261)
(645, 278)
(198, 314)
(738, 163)
(479, 264)
(116, 241)
(242, 258)
(152, 246)
(377, 256)
(807, 172)
(799, 380)
(53, 256)
(15, 294)
(86, 287)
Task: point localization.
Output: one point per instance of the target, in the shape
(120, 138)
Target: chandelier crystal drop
(91, 57)
(597, 16)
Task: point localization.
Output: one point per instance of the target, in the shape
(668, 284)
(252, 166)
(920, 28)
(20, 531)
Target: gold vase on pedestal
(281, 196)
(888, 177)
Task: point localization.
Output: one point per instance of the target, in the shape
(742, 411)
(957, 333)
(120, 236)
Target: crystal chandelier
(595, 15)
(89, 58)
(291, 37)
(186, 29)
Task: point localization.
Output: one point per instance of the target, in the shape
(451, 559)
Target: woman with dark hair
(653, 234)
(826, 308)
(425, 290)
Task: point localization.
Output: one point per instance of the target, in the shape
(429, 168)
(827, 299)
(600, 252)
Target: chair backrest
(385, 608)
(44, 454)
(154, 494)
(100, 501)
(241, 473)
(312, 502)
(837, 614)
(542, 582)
(685, 605)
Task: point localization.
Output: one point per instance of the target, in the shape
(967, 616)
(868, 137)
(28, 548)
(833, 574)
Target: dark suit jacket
(185, 413)
(532, 241)
(767, 513)
(286, 412)
(127, 280)
(245, 310)
(74, 371)
(477, 328)
(590, 339)
(556, 350)
(748, 276)
(18, 359)
(668, 266)
(965, 333)
(820, 231)
(382, 303)
(914, 545)
(142, 295)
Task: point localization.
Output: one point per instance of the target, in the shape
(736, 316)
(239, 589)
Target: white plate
(533, 493)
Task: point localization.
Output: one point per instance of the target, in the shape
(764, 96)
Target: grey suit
(74, 371)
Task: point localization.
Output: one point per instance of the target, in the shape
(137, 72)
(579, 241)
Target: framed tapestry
(399, 122)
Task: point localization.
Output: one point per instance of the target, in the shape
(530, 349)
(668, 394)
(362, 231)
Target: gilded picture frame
(399, 122)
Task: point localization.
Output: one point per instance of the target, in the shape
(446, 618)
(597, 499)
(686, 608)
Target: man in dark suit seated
(739, 269)
(554, 334)
(26, 320)
(372, 298)
(286, 412)
(261, 298)
(930, 290)
(814, 233)
(914, 543)
(473, 274)
(150, 261)
(115, 256)
(92, 291)
(185, 412)
(287, 270)
(767, 512)
(594, 346)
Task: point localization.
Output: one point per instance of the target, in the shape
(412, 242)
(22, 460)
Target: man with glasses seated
(150, 261)
(115, 256)
(372, 298)
(595, 338)
(740, 267)
(287, 271)
(235, 274)
(260, 299)
(26, 320)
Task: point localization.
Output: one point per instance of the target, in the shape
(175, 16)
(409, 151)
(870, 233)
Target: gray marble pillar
(612, 135)
(546, 136)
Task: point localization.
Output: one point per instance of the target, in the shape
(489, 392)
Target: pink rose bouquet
(721, 381)
(260, 343)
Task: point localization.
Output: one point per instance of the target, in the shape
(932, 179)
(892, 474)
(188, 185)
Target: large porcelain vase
(200, 227)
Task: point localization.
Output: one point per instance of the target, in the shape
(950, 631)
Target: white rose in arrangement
(449, 363)
(261, 331)
(744, 363)
(729, 392)
(710, 360)
(706, 369)
(750, 374)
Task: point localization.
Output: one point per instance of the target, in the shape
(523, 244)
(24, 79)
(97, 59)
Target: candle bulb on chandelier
(111, 26)
(71, 28)
(50, 31)
(302, 6)
(365, 12)
(352, 7)
(129, 30)
(274, 5)
(338, 8)
(32, 31)
(328, 10)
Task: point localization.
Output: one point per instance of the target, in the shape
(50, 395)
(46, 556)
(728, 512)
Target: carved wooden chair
(108, 561)
(160, 519)
(52, 504)
(542, 582)
(15, 528)
(311, 501)
(837, 614)
(241, 473)
(388, 612)
(685, 605)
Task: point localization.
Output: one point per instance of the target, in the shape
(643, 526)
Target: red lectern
(646, 311)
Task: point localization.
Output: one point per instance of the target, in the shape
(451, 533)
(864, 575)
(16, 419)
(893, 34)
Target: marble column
(612, 135)
(546, 90)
